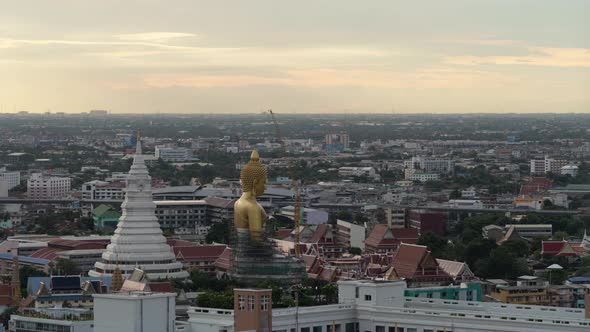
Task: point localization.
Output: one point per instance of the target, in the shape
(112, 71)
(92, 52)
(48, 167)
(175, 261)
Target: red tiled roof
(407, 235)
(180, 243)
(410, 259)
(6, 293)
(376, 235)
(319, 233)
(201, 252)
(160, 287)
(551, 247)
(224, 261)
(219, 202)
(283, 233)
(376, 238)
(46, 253)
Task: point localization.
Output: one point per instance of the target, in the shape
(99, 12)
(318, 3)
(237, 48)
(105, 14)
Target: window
(317, 329)
(368, 297)
(379, 328)
(356, 292)
(349, 327)
(250, 302)
(264, 300)
(241, 304)
(305, 329)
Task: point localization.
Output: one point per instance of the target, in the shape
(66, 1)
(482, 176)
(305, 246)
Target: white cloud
(153, 36)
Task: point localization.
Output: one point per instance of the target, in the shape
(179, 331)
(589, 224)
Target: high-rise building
(138, 239)
(40, 186)
(337, 142)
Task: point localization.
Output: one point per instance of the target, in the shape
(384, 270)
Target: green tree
(66, 267)
(223, 300)
(219, 232)
(435, 243)
(355, 251)
(455, 194)
(25, 273)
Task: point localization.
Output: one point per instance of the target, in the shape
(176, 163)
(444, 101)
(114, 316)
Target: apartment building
(40, 186)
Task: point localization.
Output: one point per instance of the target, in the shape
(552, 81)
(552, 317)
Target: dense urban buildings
(467, 227)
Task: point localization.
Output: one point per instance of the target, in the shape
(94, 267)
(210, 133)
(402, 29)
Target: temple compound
(255, 257)
(138, 241)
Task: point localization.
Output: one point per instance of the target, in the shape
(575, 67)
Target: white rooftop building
(138, 239)
(380, 306)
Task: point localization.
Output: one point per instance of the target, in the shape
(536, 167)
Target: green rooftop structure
(465, 292)
(105, 215)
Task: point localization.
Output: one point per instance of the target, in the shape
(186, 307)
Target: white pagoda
(138, 241)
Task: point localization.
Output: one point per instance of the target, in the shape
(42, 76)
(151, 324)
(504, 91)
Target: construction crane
(294, 183)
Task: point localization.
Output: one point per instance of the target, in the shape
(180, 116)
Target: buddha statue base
(257, 261)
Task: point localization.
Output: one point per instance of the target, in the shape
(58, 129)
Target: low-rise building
(381, 306)
(173, 154)
(529, 290)
(531, 231)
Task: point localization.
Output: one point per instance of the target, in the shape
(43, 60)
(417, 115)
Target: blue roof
(65, 283)
(579, 279)
(34, 282)
(26, 259)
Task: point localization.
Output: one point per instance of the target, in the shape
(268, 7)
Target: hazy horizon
(378, 57)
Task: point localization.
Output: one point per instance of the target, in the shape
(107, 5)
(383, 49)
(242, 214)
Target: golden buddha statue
(255, 257)
(249, 216)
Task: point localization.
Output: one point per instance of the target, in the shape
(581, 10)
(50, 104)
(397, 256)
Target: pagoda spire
(117, 279)
(16, 296)
(138, 145)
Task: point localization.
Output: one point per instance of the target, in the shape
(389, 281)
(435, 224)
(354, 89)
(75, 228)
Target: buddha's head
(253, 176)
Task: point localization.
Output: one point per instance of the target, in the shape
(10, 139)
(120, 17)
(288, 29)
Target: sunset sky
(295, 56)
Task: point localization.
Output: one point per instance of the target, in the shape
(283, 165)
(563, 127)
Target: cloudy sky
(386, 56)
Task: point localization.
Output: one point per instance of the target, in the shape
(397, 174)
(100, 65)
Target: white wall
(137, 312)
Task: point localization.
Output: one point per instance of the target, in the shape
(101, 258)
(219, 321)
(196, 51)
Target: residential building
(492, 232)
(529, 290)
(104, 190)
(307, 216)
(174, 154)
(428, 221)
(351, 235)
(532, 231)
(350, 171)
(470, 292)
(466, 204)
(183, 217)
(571, 170)
(135, 311)
(52, 320)
(396, 218)
(528, 203)
(337, 142)
(422, 176)
(105, 215)
(426, 165)
(546, 165)
(40, 186)
(7, 263)
(12, 179)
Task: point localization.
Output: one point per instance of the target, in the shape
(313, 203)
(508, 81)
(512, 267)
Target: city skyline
(317, 57)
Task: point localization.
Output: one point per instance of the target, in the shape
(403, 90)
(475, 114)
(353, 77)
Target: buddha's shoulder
(242, 204)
